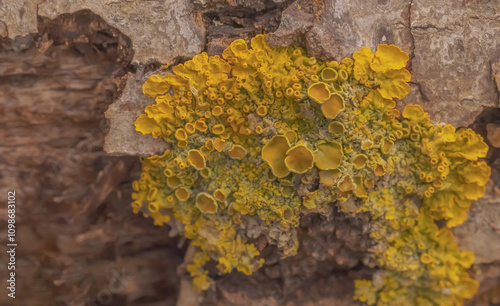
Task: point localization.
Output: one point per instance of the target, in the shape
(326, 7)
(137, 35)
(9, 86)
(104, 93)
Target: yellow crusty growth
(253, 131)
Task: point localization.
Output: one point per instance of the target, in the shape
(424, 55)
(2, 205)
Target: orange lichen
(200, 125)
(209, 144)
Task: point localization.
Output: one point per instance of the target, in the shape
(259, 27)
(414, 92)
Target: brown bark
(75, 231)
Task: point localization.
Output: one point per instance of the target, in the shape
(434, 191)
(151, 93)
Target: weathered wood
(78, 239)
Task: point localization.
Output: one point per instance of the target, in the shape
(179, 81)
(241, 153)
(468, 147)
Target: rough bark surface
(77, 240)
(122, 115)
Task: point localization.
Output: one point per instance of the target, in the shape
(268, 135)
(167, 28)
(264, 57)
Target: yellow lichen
(261, 110)
(329, 177)
(156, 85)
(379, 169)
(182, 194)
(328, 155)
(319, 92)
(196, 159)
(336, 128)
(389, 57)
(329, 75)
(274, 153)
(299, 159)
(386, 145)
(333, 106)
(219, 144)
(237, 152)
(206, 203)
(360, 161)
(359, 189)
(220, 195)
(291, 136)
(251, 133)
(206, 172)
(385, 68)
(173, 182)
(346, 184)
